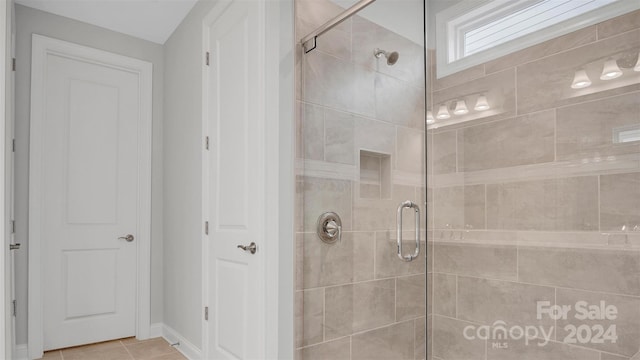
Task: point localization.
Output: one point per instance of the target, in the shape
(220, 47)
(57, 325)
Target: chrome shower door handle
(411, 205)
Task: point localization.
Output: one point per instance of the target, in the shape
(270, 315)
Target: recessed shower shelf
(375, 175)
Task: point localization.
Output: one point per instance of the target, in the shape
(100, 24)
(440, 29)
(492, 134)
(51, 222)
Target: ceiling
(153, 20)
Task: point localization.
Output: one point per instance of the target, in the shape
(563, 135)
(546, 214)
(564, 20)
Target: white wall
(31, 21)
(183, 57)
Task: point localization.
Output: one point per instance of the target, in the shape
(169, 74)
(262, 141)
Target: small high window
(473, 32)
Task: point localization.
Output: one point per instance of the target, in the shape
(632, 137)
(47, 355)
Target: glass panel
(360, 154)
(534, 199)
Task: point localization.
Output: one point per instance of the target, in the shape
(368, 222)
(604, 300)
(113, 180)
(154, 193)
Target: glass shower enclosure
(499, 143)
(360, 168)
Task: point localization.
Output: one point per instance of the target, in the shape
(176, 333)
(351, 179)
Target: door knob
(129, 238)
(251, 247)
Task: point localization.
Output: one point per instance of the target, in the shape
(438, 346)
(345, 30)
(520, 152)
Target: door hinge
(206, 227)
(206, 143)
(207, 58)
(13, 145)
(15, 307)
(13, 226)
(13, 64)
(206, 313)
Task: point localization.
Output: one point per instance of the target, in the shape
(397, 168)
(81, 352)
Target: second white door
(234, 173)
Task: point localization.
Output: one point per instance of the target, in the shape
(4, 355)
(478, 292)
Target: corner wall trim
(155, 330)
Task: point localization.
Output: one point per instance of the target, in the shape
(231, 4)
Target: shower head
(392, 57)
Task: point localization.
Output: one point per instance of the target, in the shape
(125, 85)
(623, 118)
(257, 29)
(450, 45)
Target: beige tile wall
(359, 119)
(535, 201)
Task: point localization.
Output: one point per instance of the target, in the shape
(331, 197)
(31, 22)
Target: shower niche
(375, 175)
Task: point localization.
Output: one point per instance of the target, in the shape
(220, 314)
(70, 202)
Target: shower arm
(309, 41)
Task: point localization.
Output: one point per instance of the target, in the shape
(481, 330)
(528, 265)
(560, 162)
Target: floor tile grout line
(127, 350)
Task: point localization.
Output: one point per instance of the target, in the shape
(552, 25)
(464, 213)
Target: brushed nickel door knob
(128, 237)
(252, 248)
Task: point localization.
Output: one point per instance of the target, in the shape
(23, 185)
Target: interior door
(10, 325)
(5, 114)
(234, 168)
(87, 197)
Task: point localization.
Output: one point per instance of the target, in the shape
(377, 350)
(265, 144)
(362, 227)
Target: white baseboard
(187, 349)
(21, 352)
(190, 351)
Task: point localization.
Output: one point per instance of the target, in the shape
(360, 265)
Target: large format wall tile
(410, 297)
(550, 47)
(458, 78)
(357, 307)
(321, 195)
(627, 322)
(445, 291)
(313, 315)
(387, 262)
(310, 137)
(398, 102)
(444, 153)
(553, 204)
(339, 137)
(336, 350)
(363, 256)
(374, 214)
(335, 83)
(590, 269)
(345, 261)
(620, 201)
(429, 286)
(449, 342)
(420, 342)
(391, 342)
(374, 136)
(498, 262)
(513, 303)
(523, 140)
(619, 25)
(587, 130)
(459, 207)
(410, 157)
(551, 351)
(299, 318)
(299, 261)
(606, 356)
(546, 83)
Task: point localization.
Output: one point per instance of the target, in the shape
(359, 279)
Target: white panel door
(235, 172)
(89, 178)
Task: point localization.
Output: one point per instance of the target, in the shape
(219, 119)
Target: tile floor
(123, 349)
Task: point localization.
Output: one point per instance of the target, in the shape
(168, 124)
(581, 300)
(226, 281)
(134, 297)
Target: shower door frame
(308, 44)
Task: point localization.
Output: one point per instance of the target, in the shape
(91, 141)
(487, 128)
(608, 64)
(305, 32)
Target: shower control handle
(329, 227)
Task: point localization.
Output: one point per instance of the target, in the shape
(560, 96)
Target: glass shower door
(360, 155)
